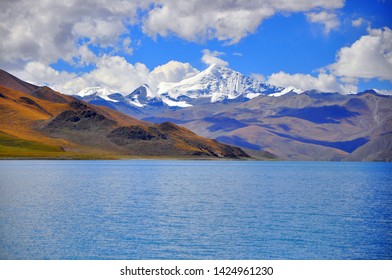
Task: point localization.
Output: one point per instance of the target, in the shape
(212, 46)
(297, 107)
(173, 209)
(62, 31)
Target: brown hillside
(39, 122)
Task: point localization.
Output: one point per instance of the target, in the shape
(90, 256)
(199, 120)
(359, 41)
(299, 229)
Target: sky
(328, 45)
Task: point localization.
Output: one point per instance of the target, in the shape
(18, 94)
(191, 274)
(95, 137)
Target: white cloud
(173, 72)
(99, 31)
(127, 45)
(230, 21)
(39, 33)
(49, 30)
(85, 55)
(383, 91)
(257, 76)
(212, 57)
(41, 74)
(111, 72)
(115, 73)
(369, 57)
(323, 82)
(46, 31)
(328, 19)
(359, 22)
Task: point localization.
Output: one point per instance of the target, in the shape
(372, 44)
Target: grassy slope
(18, 130)
(11, 146)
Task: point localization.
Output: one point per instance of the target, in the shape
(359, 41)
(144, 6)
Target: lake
(169, 209)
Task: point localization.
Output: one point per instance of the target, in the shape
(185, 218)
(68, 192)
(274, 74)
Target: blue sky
(329, 45)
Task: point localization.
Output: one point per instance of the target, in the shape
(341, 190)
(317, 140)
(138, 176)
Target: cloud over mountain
(323, 82)
(367, 58)
(212, 57)
(65, 26)
(111, 72)
(70, 45)
(173, 72)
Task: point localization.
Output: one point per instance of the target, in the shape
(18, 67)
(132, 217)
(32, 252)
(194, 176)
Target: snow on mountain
(218, 83)
(143, 96)
(287, 90)
(383, 92)
(173, 103)
(101, 92)
(213, 85)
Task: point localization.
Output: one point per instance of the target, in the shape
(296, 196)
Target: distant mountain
(216, 84)
(218, 103)
(97, 92)
(143, 96)
(39, 122)
(290, 123)
(307, 126)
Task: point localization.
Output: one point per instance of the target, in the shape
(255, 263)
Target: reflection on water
(195, 210)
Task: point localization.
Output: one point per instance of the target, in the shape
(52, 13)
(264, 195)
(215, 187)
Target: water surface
(195, 210)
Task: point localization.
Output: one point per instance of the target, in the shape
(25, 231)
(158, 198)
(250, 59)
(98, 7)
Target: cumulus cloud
(85, 56)
(369, 57)
(230, 21)
(383, 92)
(114, 72)
(111, 72)
(173, 72)
(36, 34)
(328, 19)
(323, 82)
(41, 74)
(49, 30)
(99, 31)
(212, 57)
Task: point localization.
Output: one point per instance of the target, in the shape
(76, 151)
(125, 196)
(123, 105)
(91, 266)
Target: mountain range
(38, 122)
(285, 123)
(216, 84)
(307, 126)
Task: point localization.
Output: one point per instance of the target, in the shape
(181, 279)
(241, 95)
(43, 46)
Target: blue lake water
(195, 210)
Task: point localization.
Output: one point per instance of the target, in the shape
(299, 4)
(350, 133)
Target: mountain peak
(95, 90)
(216, 84)
(216, 67)
(98, 91)
(219, 84)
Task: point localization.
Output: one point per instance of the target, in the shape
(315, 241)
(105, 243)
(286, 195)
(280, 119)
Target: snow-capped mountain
(100, 92)
(142, 96)
(287, 90)
(217, 84)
